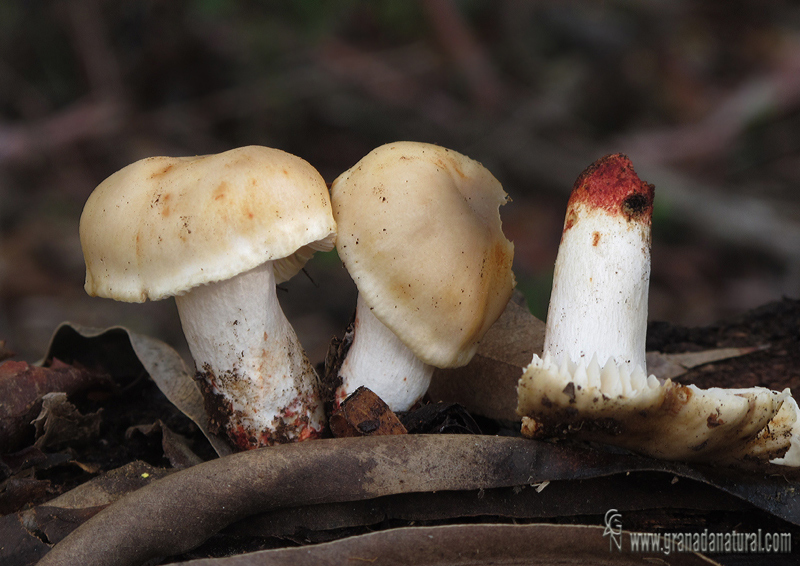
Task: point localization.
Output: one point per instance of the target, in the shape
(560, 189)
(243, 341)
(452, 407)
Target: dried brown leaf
(487, 385)
(16, 492)
(105, 347)
(26, 536)
(176, 447)
(563, 499)
(22, 387)
(109, 487)
(21, 546)
(450, 545)
(668, 366)
(60, 424)
(5, 352)
(179, 512)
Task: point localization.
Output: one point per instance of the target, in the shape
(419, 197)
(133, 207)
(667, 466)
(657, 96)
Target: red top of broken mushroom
(610, 183)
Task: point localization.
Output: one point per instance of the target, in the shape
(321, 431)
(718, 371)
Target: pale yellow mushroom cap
(420, 233)
(164, 225)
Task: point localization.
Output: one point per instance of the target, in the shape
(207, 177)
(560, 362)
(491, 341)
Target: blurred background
(704, 97)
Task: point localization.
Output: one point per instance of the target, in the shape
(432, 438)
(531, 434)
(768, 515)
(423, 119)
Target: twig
(85, 119)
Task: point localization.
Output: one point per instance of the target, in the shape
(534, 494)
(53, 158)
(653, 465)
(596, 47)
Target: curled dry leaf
(31, 459)
(20, 546)
(652, 493)
(29, 534)
(176, 447)
(178, 512)
(60, 424)
(109, 487)
(22, 387)
(668, 366)
(451, 545)
(119, 346)
(17, 492)
(487, 385)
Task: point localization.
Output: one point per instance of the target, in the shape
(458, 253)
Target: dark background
(704, 97)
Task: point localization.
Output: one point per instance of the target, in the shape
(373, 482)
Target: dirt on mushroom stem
(291, 424)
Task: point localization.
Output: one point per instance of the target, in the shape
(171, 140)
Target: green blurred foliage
(536, 288)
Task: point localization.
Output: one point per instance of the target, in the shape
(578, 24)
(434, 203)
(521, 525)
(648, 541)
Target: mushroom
(217, 232)
(421, 236)
(602, 270)
(591, 380)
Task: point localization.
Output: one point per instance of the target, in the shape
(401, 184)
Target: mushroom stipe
(591, 381)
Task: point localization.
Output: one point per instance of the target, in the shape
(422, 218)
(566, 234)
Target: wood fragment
(364, 414)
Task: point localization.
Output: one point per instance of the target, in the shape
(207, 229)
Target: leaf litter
(390, 490)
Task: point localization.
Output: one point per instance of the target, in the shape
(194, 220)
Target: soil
(774, 328)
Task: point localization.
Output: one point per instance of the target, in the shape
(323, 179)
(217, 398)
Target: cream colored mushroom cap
(420, 233)
(163, 225)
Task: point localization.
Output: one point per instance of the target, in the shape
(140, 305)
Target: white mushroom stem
(257, 374)
(590, 381)
(598, 306)
(379, 360)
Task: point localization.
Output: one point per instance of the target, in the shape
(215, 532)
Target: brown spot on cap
(610, 183)
(220, 191)
(138, 245)
(595, 238)
(162, 172)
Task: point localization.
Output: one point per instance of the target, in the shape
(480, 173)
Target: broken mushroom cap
(421, 236)
(217, 232)
(665, 420)
(163, 225)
